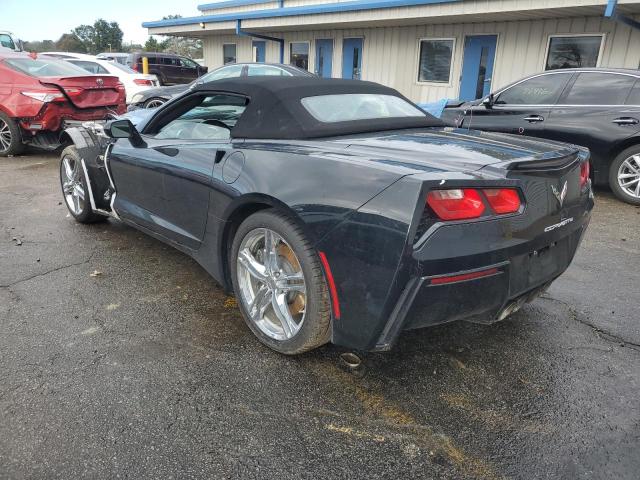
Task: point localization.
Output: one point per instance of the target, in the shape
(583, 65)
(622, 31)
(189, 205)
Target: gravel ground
(146, 369)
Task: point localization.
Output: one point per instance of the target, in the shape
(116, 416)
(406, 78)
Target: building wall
(390, 54)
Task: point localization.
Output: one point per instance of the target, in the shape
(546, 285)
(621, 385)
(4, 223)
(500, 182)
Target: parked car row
(595, 108)
(133, 82)
(154, 97)
(40, 96)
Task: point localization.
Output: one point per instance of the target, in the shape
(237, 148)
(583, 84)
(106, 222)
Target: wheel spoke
(260, 303)
(292, 283)
(67, 187)
(631, 182)
(68, 171)
(78, 191)
(281, 309)
(255, 268)
(76, 205)
(271, 250)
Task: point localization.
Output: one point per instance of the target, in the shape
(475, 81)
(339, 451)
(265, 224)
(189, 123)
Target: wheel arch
(241, 209)
(616, 150)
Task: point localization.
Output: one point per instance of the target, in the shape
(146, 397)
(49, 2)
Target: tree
(99, 37)
(152, 45)
(188, 47)
(68, 42)
(40, 46)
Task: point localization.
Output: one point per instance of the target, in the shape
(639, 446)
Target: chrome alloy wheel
(629, 176)
(72, 186)
(272, 285)
(5, 136)
(155, 103)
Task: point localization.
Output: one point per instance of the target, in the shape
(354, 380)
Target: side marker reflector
(463, 277)
(332, 285)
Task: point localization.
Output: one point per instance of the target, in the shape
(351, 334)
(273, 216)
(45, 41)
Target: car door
(521, 108)
(188, 69)
(595, 112)
(165, 185)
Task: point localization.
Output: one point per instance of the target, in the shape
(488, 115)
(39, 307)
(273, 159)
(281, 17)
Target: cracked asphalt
(146, 369)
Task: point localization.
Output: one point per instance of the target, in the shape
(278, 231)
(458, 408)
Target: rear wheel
(279, 284)
(624, 175)
(154, 102)
(10, 138)
(74, 187)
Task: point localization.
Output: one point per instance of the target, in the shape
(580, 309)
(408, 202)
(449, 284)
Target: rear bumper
(508, 285)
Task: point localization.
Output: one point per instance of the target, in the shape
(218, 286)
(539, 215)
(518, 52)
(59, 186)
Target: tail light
(468, 203)
(45, 96)
(456, 204)
(143, 82)
(503, 200)
(585, 170)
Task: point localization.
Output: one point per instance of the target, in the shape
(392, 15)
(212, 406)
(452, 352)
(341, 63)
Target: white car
(133, 82)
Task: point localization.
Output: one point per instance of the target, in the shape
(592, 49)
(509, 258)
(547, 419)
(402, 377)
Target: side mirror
(124, 129)
(490, 101)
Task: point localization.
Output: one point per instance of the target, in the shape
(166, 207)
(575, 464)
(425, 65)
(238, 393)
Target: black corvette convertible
(336, 210)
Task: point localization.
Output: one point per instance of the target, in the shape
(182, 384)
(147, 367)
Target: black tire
(316, 327)
(614, 183)
(150, 103)
(10, 129)
(86, 215)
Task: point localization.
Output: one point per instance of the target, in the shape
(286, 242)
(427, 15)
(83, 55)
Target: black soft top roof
(275, 111)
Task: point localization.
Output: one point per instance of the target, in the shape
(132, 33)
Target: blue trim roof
(352, 6)
(232, 3)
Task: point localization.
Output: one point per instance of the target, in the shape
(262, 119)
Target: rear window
(358, 106)
(600, 89)
(91, 67)
(45, 67)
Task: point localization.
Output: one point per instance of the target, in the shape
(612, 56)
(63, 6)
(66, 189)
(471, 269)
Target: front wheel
(74, 187)
(279, 283)
(154, 102)
(624, 175)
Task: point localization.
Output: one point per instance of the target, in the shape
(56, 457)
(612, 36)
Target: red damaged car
(40, 97)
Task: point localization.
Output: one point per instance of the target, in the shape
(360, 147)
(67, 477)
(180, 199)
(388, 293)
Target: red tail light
(503, 200)
(585, 170)
(456, 204)
(143, 82)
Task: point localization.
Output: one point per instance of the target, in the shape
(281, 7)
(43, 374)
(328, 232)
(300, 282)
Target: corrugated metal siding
(390, 54)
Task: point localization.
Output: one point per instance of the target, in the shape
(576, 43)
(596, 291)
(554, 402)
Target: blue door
(324, 57)
(259, 51)
(352, 58)
(477, 66)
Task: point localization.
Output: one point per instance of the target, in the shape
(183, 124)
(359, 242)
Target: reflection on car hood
(165, 92)
(140, 117)
(451, 149)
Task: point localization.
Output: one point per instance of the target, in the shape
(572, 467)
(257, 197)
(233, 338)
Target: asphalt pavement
(121, 358)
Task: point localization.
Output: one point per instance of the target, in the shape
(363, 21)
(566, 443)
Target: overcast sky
(48, 19)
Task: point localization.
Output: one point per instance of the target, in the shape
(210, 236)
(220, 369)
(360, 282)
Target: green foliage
(68, 42)
(102, 36)
(152, 45)
(40, 46)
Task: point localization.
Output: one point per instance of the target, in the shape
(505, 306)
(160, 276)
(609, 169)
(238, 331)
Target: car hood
(165, 92)
(448, 149)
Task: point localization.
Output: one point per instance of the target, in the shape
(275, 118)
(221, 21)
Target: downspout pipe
(610, 12)
(242, 33)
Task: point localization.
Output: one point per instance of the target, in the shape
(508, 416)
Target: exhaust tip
(351, 360)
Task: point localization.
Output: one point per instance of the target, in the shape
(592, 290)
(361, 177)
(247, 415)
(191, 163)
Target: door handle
(534, 119)
(624, 121)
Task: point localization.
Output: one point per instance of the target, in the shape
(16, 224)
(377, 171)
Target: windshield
(358, 106)
(45, 67)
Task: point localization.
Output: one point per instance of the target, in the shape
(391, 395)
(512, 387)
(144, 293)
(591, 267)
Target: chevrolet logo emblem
(560, 195)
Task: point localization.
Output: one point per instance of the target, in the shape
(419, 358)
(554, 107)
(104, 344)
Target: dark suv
(595, 108)
(169, 68)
